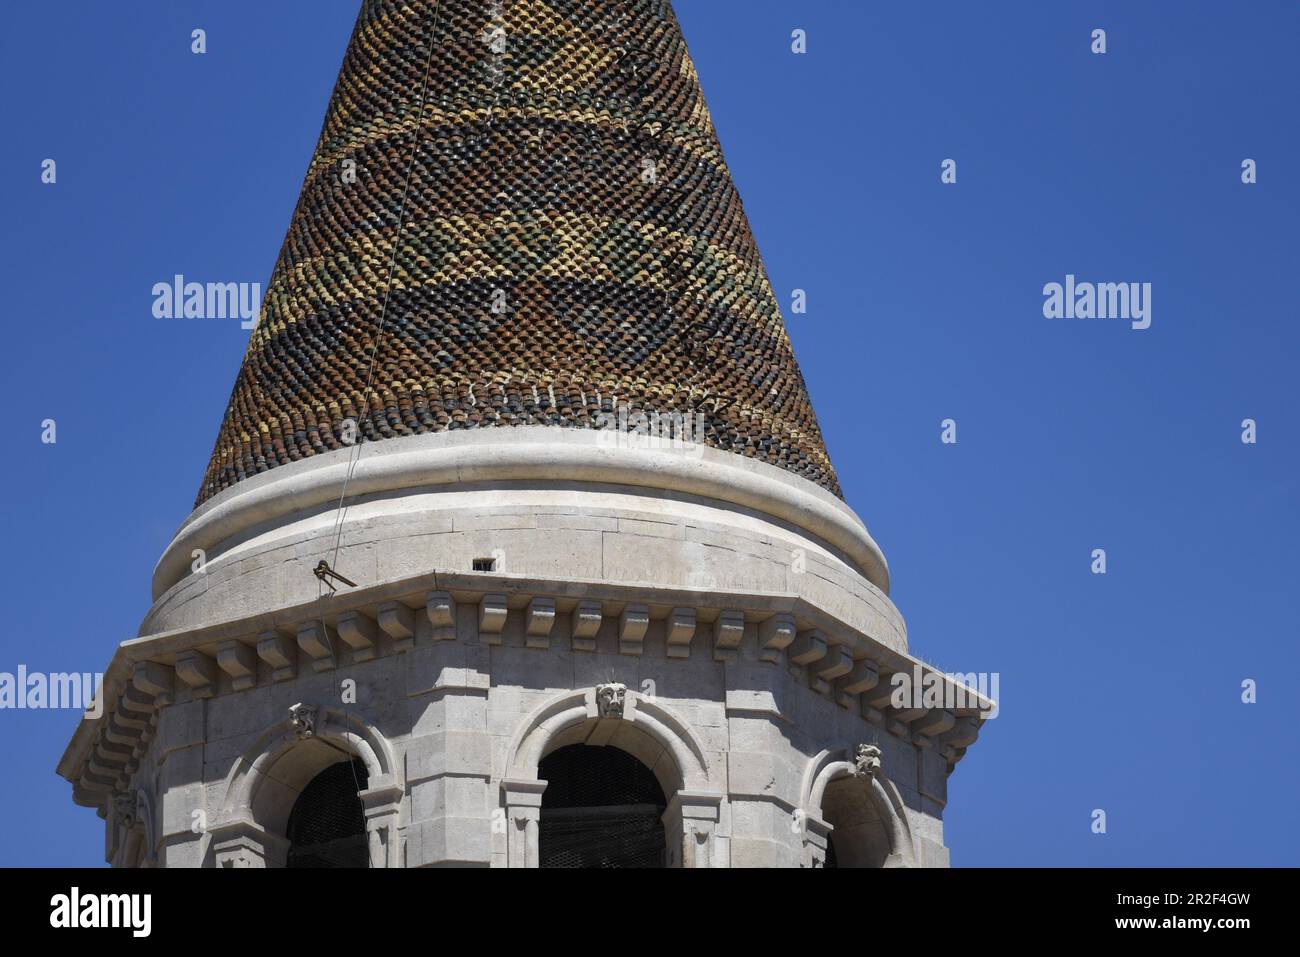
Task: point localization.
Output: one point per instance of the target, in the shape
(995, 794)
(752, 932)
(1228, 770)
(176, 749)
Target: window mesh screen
(327, 826)
(601, 808)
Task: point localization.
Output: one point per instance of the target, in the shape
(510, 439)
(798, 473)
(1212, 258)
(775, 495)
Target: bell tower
(519, 544)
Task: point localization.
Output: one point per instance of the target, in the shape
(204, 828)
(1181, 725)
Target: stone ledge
(747, 631)
(451, 459)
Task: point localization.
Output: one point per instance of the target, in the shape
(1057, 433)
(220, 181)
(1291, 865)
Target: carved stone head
(867, 760)
(610, 699)
(303, 719)
(124, 809)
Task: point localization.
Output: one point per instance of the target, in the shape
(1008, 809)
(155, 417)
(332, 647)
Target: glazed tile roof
(572, 241)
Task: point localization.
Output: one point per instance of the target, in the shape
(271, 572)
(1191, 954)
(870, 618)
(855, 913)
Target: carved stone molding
(752, 631)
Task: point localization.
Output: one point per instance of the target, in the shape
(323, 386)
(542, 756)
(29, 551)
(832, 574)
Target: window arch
(327, 825)
(854, 814)
(601, 808)
(858, 837)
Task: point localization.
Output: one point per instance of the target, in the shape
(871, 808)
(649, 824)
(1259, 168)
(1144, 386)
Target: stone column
(689, 824)
(243, 843)
(523, 801)
(182, 811)
(383, 806)
(816, 839)
(449, 750)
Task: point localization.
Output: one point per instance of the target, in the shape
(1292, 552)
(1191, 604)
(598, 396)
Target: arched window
(327, 826)
(601, 808)
(858, 837)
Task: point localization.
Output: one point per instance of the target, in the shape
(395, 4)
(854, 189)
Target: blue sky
(1119, 692)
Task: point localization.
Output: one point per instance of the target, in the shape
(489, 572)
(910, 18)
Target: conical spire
(571, 242)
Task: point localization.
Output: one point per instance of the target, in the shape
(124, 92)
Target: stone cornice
(830, 658)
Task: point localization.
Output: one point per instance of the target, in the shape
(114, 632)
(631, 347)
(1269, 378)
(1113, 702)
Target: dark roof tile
(651, 294)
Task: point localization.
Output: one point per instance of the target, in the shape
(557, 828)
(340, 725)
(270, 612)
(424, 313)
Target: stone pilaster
(691, 820)
(523, 804)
